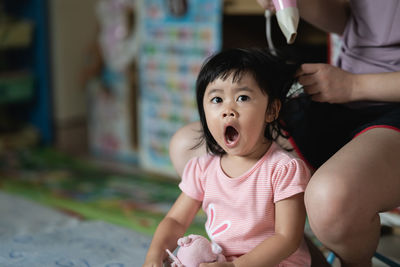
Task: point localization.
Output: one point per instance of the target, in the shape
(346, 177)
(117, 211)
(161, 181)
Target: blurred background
(91, 92)
(114, 79)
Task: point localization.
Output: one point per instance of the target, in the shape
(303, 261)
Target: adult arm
(328, 15)
(170, 229)
(377, 87)
(326, 83)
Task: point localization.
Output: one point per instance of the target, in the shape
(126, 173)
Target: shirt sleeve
(192, 180)
(291, 179)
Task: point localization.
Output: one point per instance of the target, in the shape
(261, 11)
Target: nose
(229, 112)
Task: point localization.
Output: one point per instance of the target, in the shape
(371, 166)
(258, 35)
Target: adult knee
(182, 146)
(327, 203)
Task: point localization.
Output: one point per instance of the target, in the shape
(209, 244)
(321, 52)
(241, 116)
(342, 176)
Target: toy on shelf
(112, 82)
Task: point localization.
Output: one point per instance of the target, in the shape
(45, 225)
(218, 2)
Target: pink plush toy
(196, 249)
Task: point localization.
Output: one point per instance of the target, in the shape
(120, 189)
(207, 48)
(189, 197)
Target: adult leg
(346, 193)
(182, 146)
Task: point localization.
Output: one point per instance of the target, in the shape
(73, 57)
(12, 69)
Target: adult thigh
(360, 180)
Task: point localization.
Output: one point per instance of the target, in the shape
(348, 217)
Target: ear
(272, 111)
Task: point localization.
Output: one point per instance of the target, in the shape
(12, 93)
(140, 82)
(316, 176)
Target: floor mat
(137, 201)
(34, 235)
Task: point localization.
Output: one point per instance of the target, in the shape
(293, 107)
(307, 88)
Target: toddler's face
(236, 115)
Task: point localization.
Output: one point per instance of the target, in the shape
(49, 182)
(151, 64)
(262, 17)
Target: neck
(237, 165)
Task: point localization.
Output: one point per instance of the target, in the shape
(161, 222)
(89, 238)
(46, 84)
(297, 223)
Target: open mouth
(231, 135)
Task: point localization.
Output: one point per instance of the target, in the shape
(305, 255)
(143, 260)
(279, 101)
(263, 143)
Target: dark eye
(216, 100)
(243, 98)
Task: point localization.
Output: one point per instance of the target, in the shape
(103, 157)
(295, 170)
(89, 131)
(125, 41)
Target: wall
(72, 27)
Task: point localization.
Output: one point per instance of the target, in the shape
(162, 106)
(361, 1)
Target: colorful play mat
(85, 190)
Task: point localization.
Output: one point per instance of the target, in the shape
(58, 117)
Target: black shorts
(319, 130)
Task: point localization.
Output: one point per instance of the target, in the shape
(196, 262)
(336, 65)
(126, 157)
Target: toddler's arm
(170, 229)
(290, 218)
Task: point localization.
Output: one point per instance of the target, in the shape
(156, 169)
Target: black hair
(273, 74)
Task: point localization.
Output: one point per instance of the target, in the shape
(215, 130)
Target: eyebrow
(239, 89)
(215, 90)
(247, 89)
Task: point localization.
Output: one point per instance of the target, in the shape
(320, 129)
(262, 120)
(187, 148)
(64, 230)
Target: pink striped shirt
(241, 211)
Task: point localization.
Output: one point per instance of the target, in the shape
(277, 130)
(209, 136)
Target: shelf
(25, 70)
(16, 87)
(15, 34)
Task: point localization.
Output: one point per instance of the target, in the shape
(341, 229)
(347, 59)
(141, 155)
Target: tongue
(231, 134)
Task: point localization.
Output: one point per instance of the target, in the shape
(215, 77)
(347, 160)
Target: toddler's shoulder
(281, 155)
(204, 162)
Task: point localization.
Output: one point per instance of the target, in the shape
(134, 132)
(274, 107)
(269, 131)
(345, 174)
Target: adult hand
(266, 4)
(326, 83)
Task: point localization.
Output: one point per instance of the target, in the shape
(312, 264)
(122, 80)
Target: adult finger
(308, 68)
(318, 97)
(311, 90)
(307, 79)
